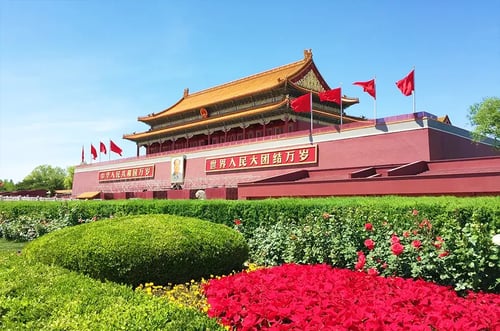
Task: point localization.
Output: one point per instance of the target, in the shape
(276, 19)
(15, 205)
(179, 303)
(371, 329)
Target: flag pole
(341, 115)
(311, 120)
(109, 149)
(375, 102)
(414, 98)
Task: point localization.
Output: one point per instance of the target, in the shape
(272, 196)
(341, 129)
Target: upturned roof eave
(150, 120)
(301, 65)
(151, 117)
(137, 137)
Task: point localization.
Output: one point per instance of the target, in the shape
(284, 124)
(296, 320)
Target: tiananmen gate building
(243, 140)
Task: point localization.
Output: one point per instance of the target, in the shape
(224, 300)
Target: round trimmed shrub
(145, 248)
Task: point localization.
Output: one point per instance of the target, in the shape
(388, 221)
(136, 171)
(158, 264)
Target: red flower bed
(319, 297)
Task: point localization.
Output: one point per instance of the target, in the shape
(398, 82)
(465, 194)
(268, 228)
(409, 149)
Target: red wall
(462, 177)
(448, 146)
(380, 148)
(388, 148)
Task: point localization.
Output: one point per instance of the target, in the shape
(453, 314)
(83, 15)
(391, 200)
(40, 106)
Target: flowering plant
(412, 252)
(319, 297)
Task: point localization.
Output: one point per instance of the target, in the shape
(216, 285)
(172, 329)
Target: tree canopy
(68, 179)
(485, 118)
(7, 185)
(44, 177)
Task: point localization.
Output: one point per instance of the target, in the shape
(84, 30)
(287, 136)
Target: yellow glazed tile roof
(209, 120)
(88, 195)
(235, 89)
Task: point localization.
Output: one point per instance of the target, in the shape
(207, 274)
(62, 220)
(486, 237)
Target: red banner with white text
(274, 158)
(143, 172)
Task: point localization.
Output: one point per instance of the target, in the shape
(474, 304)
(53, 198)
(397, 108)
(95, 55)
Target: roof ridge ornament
(186, 92)
(308, 54)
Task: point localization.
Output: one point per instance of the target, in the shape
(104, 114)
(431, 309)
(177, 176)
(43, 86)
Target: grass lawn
(10, 246)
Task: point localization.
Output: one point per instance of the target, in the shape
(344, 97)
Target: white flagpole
(341, 115)
(414, 99)
(109, 150)
(311, 120)
(375, 100)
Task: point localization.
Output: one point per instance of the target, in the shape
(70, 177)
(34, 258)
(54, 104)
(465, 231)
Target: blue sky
(75, 72)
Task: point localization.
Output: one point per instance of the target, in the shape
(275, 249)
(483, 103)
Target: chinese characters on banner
(143, 172)
(275, 158)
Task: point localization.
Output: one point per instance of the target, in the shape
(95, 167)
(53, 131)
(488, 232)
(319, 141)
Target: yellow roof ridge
(254, 76)
(233, 89)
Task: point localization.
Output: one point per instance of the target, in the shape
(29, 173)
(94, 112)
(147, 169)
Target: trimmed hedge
(253, 213)
(467, 224)
(139, 249)
(41, 297)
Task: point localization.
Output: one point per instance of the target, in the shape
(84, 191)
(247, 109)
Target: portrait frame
(177, 164)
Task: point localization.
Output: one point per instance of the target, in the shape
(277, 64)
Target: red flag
(368, 87)
(114, 148)
(102, 148)
(83, 154)
(93, 151)
(333, 95)
(407, 84)
(302, 103)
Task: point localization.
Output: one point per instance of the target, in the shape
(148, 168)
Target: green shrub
(442, 250)
(139, 249)
(29, 227)
(468, 222)
(41, 297)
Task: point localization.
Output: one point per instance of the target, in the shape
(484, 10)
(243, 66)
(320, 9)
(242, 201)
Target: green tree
(44, 177)
(68, 180)
(485, 118)
(7, 185)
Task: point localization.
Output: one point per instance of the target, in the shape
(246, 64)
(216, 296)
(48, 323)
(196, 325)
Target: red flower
(406, 234)
(370, 244)
(326, 216)
(397, 248)
(416, 243)
(368, 227)
(419, 258)
(237, 222)
(443, 254)
(320, 297)
(361, 261)
(438, 238)
(373, 271)
(385, 265)
(425, 224)
(414, 212)
(394, 239)
(437, 244)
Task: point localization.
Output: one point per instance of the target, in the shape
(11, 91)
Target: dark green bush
(450, 251)
(468, 222)
(41, 297)
(139, 249)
